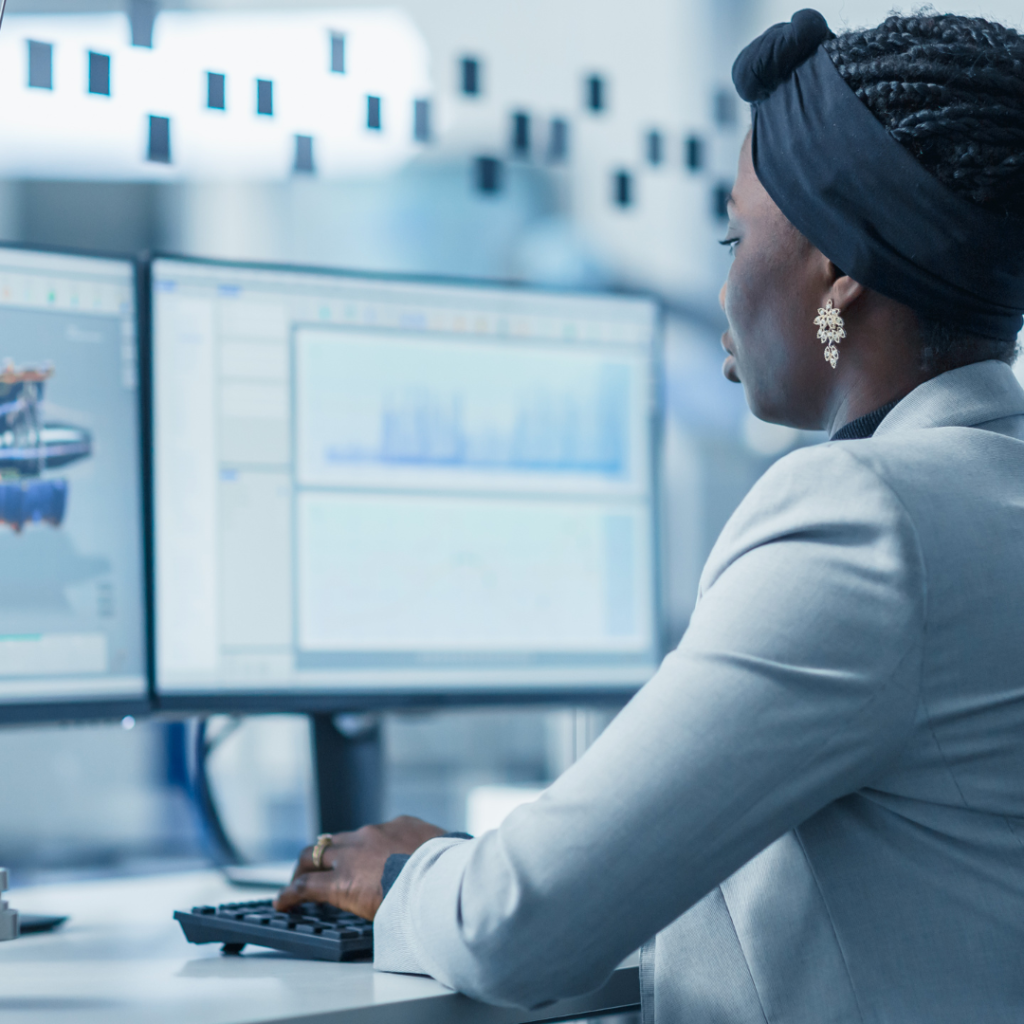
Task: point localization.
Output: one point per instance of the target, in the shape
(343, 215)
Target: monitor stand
(348, 761)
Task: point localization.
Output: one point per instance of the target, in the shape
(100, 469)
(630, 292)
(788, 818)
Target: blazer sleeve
(797, 681)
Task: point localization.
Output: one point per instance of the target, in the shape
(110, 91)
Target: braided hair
(951, 90)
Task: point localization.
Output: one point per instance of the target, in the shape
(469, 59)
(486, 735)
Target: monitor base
(348, 758)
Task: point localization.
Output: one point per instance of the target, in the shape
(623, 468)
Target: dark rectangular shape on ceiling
(558, 141)
(99, 74)
(142, 17)
(40, 65)
(655, 148)
(489, 174)
(373, 113)
(521, 134)
(694, 153)
(596, 100)
(720, 201)
(264, 97)
(337, 53)
(724, 107)
(421, 120)
(471, 76)
(215, 91)
(304, 154)
(159, 140)
(623, 188)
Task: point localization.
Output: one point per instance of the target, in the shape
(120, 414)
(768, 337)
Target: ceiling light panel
(66, 131)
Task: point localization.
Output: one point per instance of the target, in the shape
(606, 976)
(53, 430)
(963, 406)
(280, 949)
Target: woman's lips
(729, 369)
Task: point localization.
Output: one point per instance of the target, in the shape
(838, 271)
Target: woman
(816, 807)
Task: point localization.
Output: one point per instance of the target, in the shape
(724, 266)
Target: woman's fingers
(305, 863)
(310, 887)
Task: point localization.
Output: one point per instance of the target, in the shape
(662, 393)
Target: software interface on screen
(364, 484)
(71, 584)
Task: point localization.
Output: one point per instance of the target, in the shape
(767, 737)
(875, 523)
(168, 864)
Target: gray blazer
(817, 804)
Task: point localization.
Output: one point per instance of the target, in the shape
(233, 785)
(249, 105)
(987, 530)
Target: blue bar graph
(550, 431)
(392, 405)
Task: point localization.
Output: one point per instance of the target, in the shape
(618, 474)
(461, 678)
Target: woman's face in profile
(775, 285)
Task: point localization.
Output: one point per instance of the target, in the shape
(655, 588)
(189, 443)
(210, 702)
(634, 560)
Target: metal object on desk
(9, 927)
(32, 924)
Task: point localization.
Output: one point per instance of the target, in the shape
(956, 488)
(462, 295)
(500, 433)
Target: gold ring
(322, 842)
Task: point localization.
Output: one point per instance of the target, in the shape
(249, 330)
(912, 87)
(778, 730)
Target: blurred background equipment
(8, 918)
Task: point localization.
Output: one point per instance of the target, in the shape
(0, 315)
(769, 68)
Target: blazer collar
(964, 397)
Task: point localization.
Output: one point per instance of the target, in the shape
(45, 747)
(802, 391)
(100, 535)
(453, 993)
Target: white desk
(122, 959)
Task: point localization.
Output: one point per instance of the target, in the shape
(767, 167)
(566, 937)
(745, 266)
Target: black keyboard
(315, 931)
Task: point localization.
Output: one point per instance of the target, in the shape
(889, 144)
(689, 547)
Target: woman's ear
(845, 291)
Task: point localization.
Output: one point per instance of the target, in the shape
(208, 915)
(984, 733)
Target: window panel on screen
(413, 488)
(72, 604)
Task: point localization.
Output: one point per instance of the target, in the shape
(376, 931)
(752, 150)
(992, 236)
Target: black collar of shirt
(865, 426)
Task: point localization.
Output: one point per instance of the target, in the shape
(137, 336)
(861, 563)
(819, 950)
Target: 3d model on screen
(29, 446)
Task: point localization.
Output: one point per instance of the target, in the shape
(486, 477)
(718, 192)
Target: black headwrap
(863, 199)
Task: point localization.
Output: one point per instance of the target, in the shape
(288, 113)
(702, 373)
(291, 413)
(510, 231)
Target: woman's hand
(352, 866)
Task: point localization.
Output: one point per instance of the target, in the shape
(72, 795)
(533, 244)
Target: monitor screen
(72, 598)
(382, 487)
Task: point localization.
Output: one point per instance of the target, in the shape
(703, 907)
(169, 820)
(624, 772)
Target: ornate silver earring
(830, 331)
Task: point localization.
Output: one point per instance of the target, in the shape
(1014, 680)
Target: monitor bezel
(18, 713)
(395, 697)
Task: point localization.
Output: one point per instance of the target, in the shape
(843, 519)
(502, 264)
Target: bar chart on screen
(460, 414)
(466, 497)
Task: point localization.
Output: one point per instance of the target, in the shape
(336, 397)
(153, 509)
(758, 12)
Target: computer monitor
(370, 490)
(72, 583)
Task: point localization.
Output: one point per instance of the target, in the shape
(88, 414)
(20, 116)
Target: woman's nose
(721, 296)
